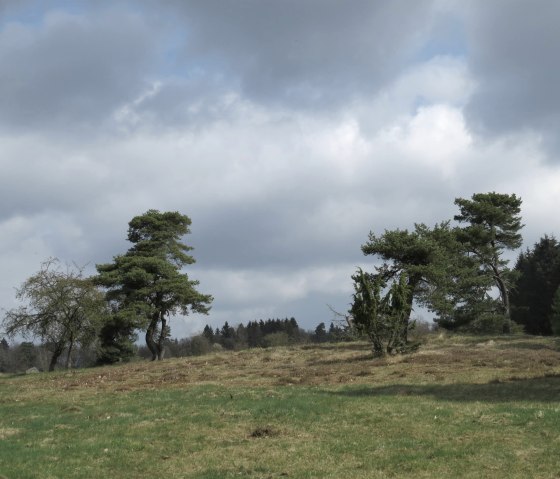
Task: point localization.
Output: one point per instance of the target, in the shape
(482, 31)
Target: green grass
(460, 407)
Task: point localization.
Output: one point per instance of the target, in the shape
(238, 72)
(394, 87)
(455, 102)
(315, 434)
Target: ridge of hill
(458, 407)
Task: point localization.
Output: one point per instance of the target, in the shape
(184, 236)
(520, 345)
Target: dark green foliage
(321, 333)
(241, 337)
(451, 271)
(337, 333)
(146, 285)
(63, 309)
(227, 331)
(254, 334)
(272, 332)
(199, 345)
(26, 355)
(383, 319)
(279, 338)
(208, 333)
(492, 227)
(116, 340)
(403, 252)
(555, 313)
(484, 323)
(5, 359)
(19, 357)
(227, 337)
(439, 276)
(538, 279)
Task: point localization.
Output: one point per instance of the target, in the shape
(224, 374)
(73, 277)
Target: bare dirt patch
(8, 432)
(262, 432)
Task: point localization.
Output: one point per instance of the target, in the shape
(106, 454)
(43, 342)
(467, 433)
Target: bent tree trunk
(161, 340)
(150, 332)
(156, 345)
(59, 348)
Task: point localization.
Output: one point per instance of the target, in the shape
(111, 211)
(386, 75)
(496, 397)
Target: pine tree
(254, 334)
(321, 333)
(383, 319)
(492, 226)
(208, 333)
(439, 276)
(146, 285)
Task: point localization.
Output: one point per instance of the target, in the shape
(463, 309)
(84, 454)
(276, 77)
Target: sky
(286, 130)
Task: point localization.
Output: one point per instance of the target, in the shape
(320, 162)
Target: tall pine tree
(492, 226)
(147, 284)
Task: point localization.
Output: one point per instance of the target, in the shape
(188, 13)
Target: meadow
(458, 407)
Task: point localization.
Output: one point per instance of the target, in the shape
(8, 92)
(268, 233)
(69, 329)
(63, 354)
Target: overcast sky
(286, 130)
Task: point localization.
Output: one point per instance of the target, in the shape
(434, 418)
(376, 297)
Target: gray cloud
(191, 103)
(304, 54)
(513, 48)
(72, 71)
(183, 64)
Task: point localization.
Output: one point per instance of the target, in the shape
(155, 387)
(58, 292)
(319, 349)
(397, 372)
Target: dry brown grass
(440, 360)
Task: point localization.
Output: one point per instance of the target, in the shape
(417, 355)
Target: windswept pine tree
(147, 285)
(438, 275)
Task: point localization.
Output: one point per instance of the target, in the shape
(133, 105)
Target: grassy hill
(459, 407)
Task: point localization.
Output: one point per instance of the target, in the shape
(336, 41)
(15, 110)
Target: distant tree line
(254, 334)
(19, 357)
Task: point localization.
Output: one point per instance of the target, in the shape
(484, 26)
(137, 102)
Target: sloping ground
(458, 407)
(440, 360)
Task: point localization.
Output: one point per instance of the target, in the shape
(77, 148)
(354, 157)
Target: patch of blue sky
(34, 13)
(174, 61)
(180, 61)
(420, 101)
(447, 38)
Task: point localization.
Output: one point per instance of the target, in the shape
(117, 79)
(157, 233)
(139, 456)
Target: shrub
(276, 339)
(490, 323)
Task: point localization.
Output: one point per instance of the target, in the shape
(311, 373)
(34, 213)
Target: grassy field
(459, 407)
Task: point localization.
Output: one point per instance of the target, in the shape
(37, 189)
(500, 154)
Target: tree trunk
(412, 284)
(150, 342)
(504, 296)
(161, 340)
(67, 365)
(56, 354)
(377, 346)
